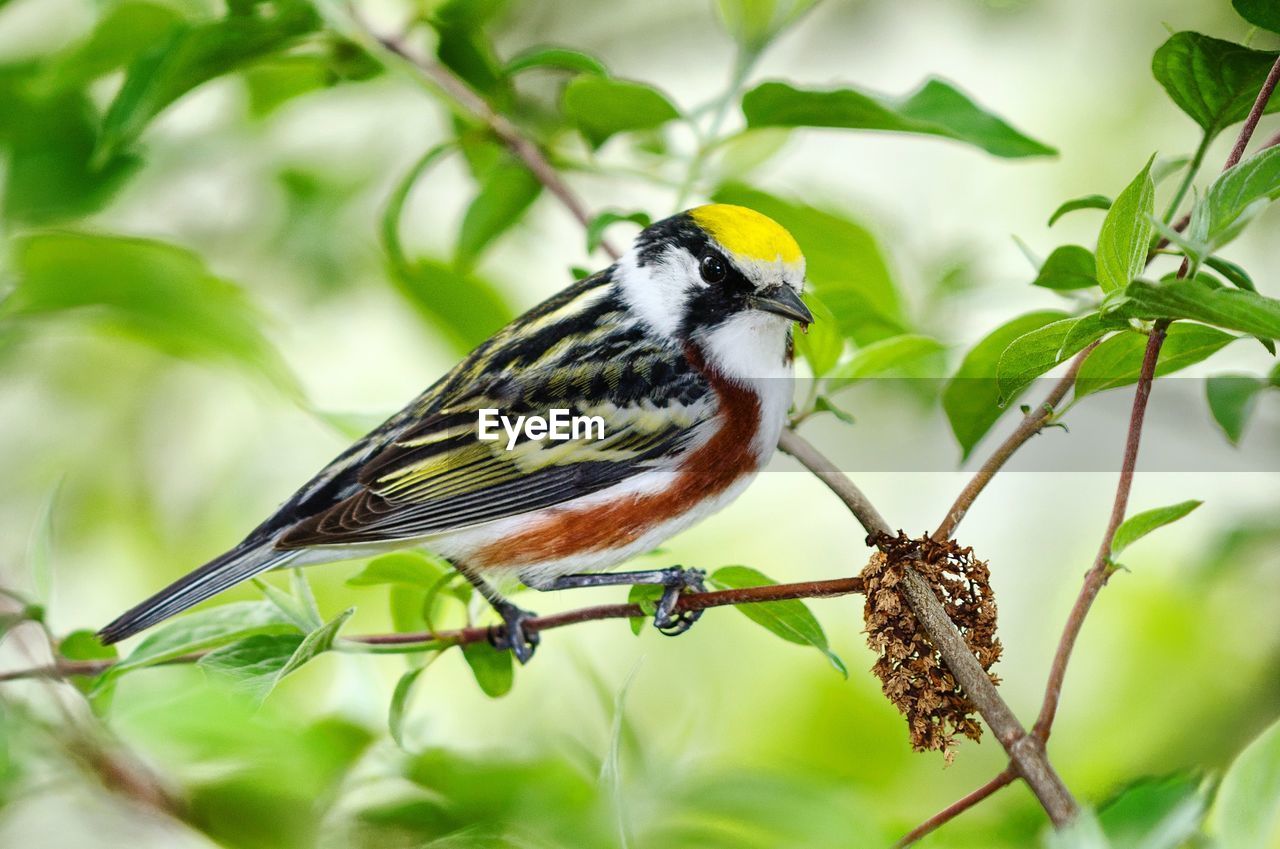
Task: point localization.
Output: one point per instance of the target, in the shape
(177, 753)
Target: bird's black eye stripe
(713, 267)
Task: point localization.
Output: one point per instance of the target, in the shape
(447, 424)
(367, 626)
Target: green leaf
(85, 645)
(1246, 810)
(602, 106)
(1118, 360)
(823, 404)
(1085, 202)
(1233, 309)
(1236, 275)
(1125, 237)
(193, 55)
(753, 23)
(408, 568)
(157, 293)
(844, 264)
(493, 668)
(1213, 81)
(645, 595)
(1234, 197)
(790, 619)
(1262, 13)
(207, 629)
(463, 306)
(1036, 352)
(400, 703)
(291, 606)
(937, 109)
(555, 58)
(506, 193)
(1139, 525)
(602, 222)
(821, 343)
(883, 357)
(1232, 398)
(1068, 267)
(1155, 813)
(971, 398)
(255, 665)
(49, 139)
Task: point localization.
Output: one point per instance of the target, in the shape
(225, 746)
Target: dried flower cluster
(912, 674)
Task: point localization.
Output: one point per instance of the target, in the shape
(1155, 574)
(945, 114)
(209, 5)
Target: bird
(683, 347)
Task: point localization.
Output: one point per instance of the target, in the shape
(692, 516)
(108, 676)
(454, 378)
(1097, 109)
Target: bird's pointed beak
(782, 300)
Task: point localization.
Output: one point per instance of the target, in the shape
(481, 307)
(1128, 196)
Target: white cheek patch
(658, 291)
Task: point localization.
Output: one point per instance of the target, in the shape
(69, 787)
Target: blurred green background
(153, 412)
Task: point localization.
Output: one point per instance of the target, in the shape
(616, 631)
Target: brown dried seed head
(911, 672)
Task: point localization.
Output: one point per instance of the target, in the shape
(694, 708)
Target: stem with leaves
(1102, 567)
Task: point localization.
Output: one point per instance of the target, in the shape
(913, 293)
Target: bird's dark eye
(713, 267)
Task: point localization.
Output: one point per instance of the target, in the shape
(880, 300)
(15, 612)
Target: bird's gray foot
(677, 581)
(512, 634)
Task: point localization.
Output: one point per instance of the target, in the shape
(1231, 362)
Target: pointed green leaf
(85, 645)
(1125, 237)
(1234, 273)
(937, 108)
(645, 595)
(1085, 202)
(1118, 360)
(821, 343)
(206, 629)
(1233, 309)
(160, 294)
(255, 665)
(493, 668)
(400, 704)
(1246, 811)
(1068, 267)
(823, 404)
(506, 193)
(1213, 81)
(790, 619)
(600, 107)
(602, 222)
(883, 357)
(1262, 13)
(971, 398)
(1035, 353)
(1232, 398)
(555, 58)
(1139, 525)
(408, 567)
(192, 55)
(464, 307)
(1235, 196)
(1155, 813)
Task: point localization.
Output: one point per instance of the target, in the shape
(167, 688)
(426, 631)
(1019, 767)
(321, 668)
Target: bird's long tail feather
(238, 564)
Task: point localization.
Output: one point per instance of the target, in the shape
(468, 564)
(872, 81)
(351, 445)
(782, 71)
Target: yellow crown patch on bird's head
(747, 234)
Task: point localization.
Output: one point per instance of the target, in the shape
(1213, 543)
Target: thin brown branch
(1025, 751)
(957, 808)
(479, 109)
(1255, 115)
(1032, 423)
(477, 634)
(1101, 570)
(1097, 575)
(837, 481)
